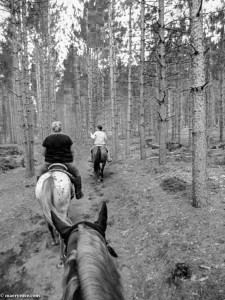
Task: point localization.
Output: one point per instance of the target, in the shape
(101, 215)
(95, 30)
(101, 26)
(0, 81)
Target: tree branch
(199, 9)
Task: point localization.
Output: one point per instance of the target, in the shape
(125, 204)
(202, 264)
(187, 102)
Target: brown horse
(99, 158)
(89, 272)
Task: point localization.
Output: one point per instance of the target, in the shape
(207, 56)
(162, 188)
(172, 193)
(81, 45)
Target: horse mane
(47, 202)
(70, 281)
(98, 276)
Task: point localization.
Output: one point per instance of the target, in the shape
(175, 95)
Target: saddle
(61, 168)
(103, 146)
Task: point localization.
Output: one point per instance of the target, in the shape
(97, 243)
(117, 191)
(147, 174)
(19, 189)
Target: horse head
(69, 232)
(89, 271)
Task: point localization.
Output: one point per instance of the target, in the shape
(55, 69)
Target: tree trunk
(221, 107)
(142, 97)
(129, 102)
(52, 93)
(27, 98)
(40, 114)
(221, 81)
(162, 87)
(199, 107)
(212, 119)
(103, 100)
(77, 94)
(112, 78)
(179, 125)
(190, 109)
(16, 78)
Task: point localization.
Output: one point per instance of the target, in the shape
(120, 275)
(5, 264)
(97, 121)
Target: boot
(78, 187)
(90, 158)
(109, 158)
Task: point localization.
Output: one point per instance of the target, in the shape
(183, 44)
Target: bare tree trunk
(77, 94)
(221, 107)
(52, 72)
(174, 117)
(27, 98)
(40, 114)
(89, 112)
(179, 125)
(211, 96)
(103, 100)
(190, 109)
(112, 78)
(211, 117)
(3, 124)
(142, 97)
(129, 102)
(199, 108)
(13, 124)
(16, 78)
(221, 87)
(162, 87)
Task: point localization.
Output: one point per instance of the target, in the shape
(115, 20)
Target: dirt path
(151, 227)
(28, 259)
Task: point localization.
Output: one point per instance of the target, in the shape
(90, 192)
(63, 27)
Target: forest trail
(150, 225)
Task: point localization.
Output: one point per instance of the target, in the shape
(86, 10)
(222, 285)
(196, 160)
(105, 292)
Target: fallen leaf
(203, 279)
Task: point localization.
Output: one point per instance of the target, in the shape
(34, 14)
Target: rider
(99, 138)
(58, 148)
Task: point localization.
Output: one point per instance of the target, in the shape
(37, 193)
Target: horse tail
(96, 269)
(47, 201)
(97, 159)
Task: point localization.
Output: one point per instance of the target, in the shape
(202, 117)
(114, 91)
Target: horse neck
(98, 276)
(70, 279)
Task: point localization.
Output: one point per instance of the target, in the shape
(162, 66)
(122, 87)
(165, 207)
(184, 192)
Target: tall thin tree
(142, 96)
(162, 85)
(129, 100)
(199, 107)
(112, 77)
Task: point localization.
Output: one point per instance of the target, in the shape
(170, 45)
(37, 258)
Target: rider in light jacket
(100, 139)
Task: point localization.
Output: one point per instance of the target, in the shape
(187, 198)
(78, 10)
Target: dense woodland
(140, 68)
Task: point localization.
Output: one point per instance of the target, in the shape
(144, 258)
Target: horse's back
(102, 153)
(54, 191)
(62, 183)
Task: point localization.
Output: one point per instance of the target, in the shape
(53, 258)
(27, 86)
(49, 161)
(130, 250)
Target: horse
(99, 155)
(54, 192)
(89, 271)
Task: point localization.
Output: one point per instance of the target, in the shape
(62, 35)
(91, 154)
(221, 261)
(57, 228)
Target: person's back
(58, 148)
(99, 138)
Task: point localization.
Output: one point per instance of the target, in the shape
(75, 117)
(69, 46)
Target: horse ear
(102, 217)
(60, 225)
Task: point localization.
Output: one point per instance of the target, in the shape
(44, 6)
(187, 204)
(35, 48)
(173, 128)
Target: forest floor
(168, 250)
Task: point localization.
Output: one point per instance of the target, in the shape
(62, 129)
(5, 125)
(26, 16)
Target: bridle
(94, 226)
(74, 228)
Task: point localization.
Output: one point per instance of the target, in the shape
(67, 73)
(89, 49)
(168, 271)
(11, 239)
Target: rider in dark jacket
(58, 148)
